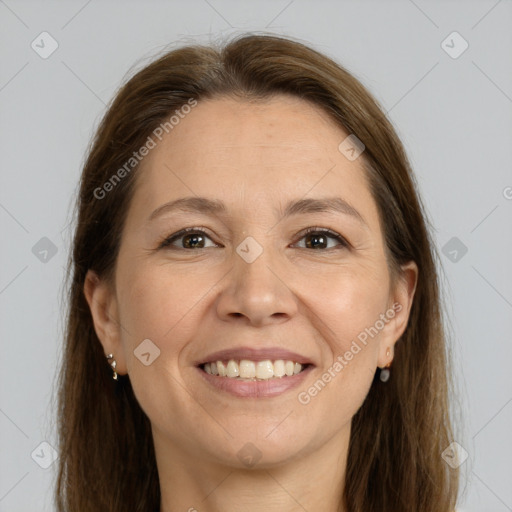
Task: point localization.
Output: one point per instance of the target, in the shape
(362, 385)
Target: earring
(113, 364)
(385, 372)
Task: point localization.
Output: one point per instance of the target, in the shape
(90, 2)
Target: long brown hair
(107, 460)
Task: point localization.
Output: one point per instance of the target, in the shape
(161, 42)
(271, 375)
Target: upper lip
(255, 354)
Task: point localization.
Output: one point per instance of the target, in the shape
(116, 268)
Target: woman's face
(248, 280)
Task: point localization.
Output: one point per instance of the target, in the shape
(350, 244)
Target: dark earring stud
(385, 372)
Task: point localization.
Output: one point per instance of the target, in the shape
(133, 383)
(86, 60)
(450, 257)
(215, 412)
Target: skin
(255, 157)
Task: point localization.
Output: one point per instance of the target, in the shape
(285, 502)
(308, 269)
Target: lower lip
(258, 388)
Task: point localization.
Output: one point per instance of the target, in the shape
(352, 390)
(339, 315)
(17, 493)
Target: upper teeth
(246, 369)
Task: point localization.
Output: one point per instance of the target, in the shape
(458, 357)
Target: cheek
(347, 308)
(155, 301)
(347, 303)
(159, 315)
(165, 305)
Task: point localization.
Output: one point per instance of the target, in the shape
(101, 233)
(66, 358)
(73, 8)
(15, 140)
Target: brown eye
(193, 241)
(190, 238)
(319, 239)
(316, 240)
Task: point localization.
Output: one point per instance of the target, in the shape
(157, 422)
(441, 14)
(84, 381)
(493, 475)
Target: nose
(257, 293)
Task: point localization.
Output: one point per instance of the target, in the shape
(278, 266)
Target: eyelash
(166, 242)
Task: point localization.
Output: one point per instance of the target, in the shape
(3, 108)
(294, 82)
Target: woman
(250, 256)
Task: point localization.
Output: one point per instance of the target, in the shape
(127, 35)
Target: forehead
(279, 127)
(252, 151)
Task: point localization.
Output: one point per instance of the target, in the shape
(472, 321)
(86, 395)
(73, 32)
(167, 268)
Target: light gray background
(454, 116)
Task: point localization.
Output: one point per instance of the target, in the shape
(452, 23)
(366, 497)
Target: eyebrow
(295, 207)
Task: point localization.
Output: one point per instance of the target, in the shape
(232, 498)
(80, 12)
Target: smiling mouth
(248, 370)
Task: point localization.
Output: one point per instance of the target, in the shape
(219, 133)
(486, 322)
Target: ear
(401, 298)
(103, 305)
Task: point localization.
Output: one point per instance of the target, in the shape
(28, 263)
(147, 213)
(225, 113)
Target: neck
(313, 480)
